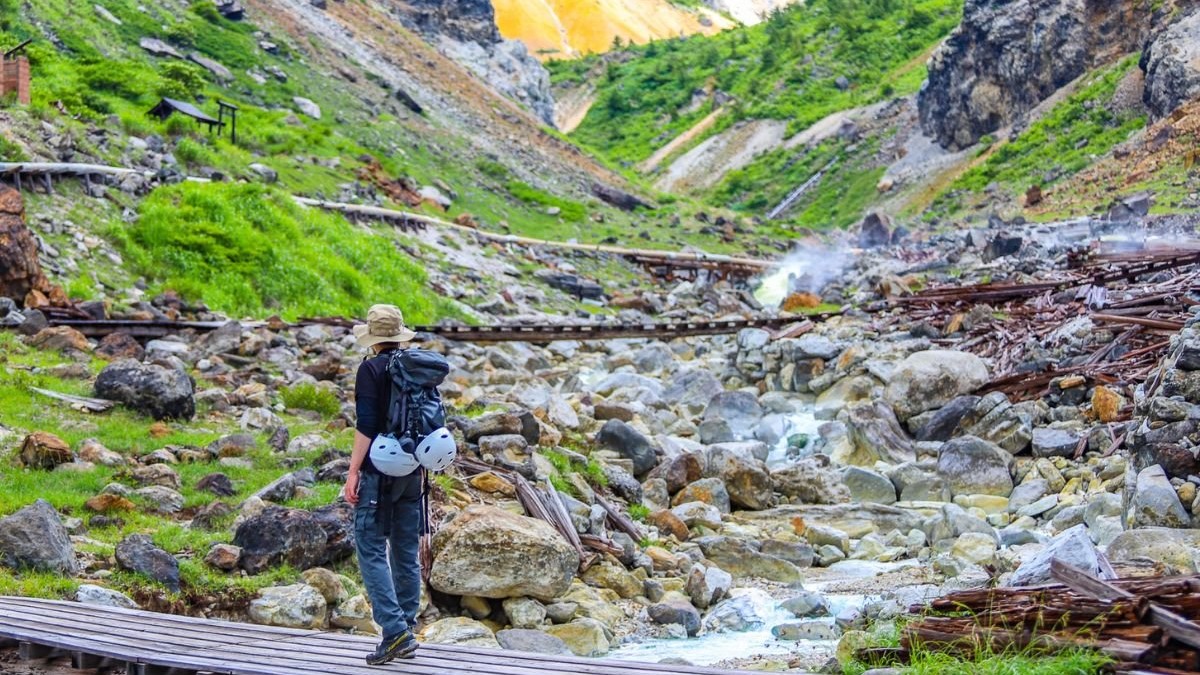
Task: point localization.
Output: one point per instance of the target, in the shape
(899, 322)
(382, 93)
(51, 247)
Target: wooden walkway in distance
(147, 643)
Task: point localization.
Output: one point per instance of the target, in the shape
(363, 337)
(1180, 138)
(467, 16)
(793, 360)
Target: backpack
(415, 405)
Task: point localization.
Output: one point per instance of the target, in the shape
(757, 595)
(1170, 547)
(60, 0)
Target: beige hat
(385, 323)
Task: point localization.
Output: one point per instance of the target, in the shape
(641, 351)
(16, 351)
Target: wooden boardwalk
(147, 643)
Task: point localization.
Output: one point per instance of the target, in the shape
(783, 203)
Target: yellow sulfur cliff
(561, 28)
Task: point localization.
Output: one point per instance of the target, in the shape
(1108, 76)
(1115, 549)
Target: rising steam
(810, 267)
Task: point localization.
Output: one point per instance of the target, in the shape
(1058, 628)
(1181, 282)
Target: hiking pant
(391, 570)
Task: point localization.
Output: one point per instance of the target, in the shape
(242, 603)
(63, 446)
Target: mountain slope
(568, 28)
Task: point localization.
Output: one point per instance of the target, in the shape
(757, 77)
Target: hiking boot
(402, 646)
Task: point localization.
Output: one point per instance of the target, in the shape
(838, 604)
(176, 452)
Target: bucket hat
(385, 323)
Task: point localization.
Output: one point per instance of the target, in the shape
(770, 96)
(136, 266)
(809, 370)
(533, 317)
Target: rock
(930, 379)
(91, 450)
(137, 553)
(698, 514)
(974, 466)
(218, 484)
(492, 553)
(1005, 58)
(676, 612)
(492, 424)
(149, 389)
(868, 486)
(327, 583)
(60, 339)
(747, 480)
(1177, 548)
(294, 606)
(1072, 546)
(307, 106)
(1027, 493)
(20, 270)
(707, 490)
(34, 538)
(678, 471)
(615, 578)
(692, 390)
(806, 604)
(745, 611)
(223, 557)
(157, 474)
(105, 503)
(707, 585)
(524, 613)
(742, 560)
(43, 450)
(730, 416)
(629, 443)
(974, 547)
(160, 499)
(669, 524)
(492, 484)
(1048, 442)
(811, 481)
(1172, 66)
(806, 630)
(1155, 503)
(584, 637)
(264, 172)
(533, 641)
(941, 424)
(354, 613)
(90, 594)
(874, 231)
(277, 536)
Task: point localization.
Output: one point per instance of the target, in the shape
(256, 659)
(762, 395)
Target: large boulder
(1178, 548)
(707, 585)
(746, 479)
(1155, 503)
(1072, 546)
(44, 450)
(161, 393)
(930, 379)
(692, 390)
(680, 612)
(1172, 66)
(1007, 56)
(629, 443)
(137, 553)
(20, 271)
(295, 606)
(731, 416)
(278, 536)
(493, 553)
(584, 636)
(811, 481)
(34, 538)
(744, 559)
(974, 466)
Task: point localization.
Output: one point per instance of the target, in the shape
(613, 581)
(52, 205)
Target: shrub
(180, 80)
(308, 396)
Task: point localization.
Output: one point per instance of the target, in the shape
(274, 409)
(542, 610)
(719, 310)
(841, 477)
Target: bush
(492, 169)
(308, 396)
(180, 80)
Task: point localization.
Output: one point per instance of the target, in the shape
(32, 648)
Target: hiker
(397, 437)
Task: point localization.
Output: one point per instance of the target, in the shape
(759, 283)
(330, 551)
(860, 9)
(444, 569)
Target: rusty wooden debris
(1145, 624)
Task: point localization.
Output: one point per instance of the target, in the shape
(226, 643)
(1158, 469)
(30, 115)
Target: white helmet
(438, 450)
(393, 457)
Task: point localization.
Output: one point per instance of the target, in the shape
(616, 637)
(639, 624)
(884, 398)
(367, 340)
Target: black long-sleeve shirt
(372, 391)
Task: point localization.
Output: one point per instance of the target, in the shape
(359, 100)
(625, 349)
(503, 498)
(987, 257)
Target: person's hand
(350, 491)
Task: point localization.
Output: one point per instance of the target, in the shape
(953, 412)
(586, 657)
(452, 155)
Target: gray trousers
(389, 562)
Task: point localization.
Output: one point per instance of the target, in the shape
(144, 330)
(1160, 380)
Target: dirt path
(680, 141)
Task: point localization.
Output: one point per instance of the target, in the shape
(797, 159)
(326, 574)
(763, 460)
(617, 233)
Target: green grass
(639, 512)
(1055, 147)
(785, 68)
(1079, 662)
(129, 434)
(568, 210)
(308, 396)
(251, 251)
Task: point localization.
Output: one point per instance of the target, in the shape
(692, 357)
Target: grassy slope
(24, 410)
(786, 68)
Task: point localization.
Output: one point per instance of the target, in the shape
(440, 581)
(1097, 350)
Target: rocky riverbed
(791, 497)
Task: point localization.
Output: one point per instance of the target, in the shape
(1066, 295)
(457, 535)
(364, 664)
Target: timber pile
(1147, 625)
(1139, 299)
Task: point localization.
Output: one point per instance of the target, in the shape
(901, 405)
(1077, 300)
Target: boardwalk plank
(159, 641)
